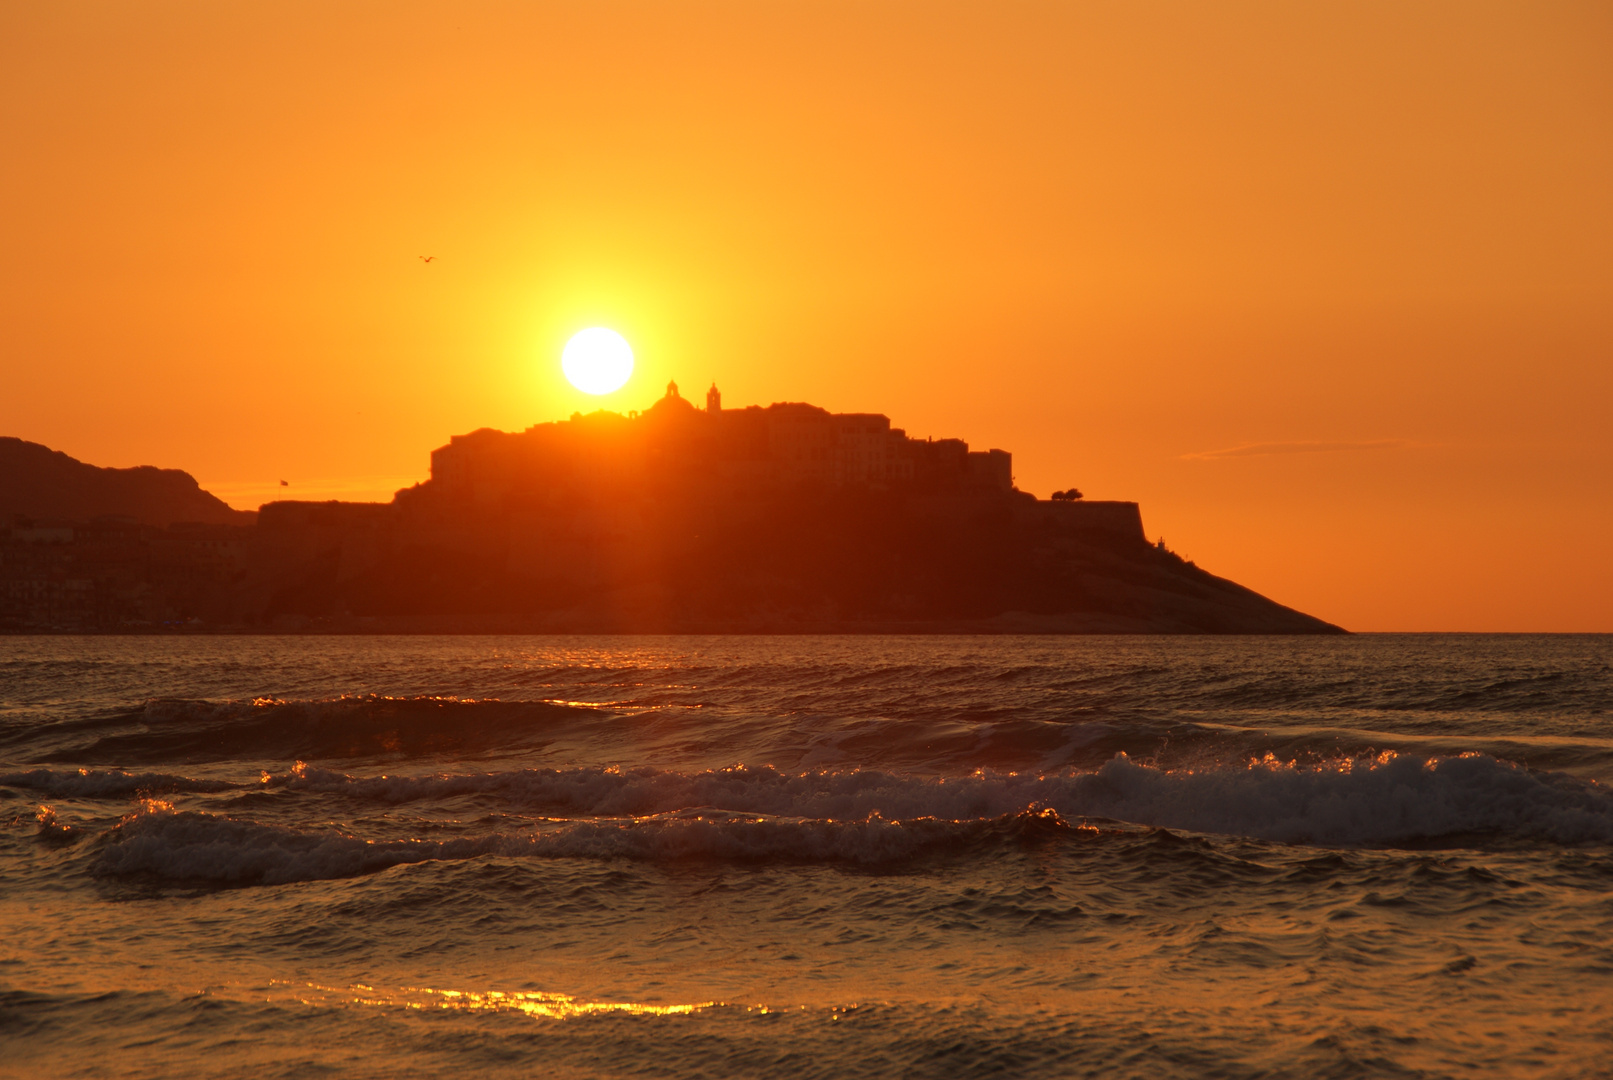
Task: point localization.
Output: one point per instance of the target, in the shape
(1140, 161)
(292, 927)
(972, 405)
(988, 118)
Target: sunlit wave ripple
(837, 857)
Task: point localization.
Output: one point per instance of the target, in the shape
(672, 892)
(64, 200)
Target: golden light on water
(529, 1003)
(552, 1006)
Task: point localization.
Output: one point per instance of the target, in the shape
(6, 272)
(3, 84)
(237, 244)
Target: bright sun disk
(597, 360)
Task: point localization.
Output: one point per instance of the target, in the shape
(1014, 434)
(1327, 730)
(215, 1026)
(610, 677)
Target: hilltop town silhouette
(786, 518)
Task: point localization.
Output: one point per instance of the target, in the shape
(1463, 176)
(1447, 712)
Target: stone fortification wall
(1120, 518)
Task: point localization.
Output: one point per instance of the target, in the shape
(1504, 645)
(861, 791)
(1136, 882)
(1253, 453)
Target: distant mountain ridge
(38, 482)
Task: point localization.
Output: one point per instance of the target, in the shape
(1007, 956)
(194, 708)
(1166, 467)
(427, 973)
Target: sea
(929, 856)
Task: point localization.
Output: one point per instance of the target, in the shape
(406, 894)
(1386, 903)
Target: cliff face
(38, 482)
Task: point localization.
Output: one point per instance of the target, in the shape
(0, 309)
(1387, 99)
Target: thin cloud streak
(1257, 449)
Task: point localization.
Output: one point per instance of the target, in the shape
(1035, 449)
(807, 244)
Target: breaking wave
(1385, 800)
(109, 783)
(871, 818)
(190, 846)
(868, 729)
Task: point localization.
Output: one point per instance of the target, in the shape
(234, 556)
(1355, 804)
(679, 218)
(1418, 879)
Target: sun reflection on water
(530, 1003)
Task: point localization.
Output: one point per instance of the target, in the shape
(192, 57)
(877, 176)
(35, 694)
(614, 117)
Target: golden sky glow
(1325, 287)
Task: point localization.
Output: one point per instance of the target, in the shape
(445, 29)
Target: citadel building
(740, 451)
(784, 518)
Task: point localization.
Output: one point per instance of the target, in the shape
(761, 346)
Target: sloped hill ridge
(41, 483)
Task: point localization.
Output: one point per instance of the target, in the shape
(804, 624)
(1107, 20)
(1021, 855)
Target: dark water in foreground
(817, 857)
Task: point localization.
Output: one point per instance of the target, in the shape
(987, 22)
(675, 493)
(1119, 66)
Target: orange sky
(1325, 287)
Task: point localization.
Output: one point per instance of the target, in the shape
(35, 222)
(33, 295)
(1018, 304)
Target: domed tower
(714, 400)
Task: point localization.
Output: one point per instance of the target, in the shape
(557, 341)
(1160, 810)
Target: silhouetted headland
(787, 518)
(38, 482)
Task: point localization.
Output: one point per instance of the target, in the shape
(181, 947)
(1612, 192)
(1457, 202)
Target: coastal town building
(781, 445)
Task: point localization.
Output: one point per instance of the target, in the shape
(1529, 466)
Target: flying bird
(427, 258)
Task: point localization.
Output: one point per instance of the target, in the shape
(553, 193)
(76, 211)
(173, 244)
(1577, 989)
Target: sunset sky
(1325, 287)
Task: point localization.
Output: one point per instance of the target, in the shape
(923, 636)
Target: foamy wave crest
(108, 784)
(1392, 799)
(191, 846)
(1386, 800)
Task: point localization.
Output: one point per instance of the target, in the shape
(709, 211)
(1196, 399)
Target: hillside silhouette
(40, 483)
(786, 518)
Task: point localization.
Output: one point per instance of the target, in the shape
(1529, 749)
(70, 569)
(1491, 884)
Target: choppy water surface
(817, 856)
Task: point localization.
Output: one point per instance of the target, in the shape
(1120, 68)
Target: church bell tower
(714, 400)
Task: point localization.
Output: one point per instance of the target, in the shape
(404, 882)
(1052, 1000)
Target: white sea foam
(864, 817)
(1387, 800)
(1396, 798)
(876, 818)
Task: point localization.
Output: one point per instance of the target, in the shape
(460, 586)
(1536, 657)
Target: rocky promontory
(38, 482)
(784, 519)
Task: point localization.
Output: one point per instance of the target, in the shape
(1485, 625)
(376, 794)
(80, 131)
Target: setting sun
(858, 513)
(597, 360)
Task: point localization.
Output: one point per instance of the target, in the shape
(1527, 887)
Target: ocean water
(814, 857)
